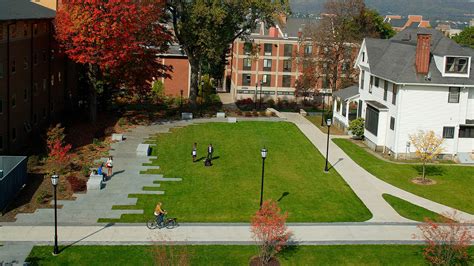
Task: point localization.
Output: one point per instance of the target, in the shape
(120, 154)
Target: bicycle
(169, 223)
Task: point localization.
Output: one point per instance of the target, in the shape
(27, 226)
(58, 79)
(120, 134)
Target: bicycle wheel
(171, 223)
(151, 224)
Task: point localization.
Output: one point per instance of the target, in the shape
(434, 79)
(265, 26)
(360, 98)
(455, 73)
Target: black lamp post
(202, 96)
(181, 102)
(264, 156)
(322, 114)
(256, 89)
(261, 84)
(328, 123)
(55, 181)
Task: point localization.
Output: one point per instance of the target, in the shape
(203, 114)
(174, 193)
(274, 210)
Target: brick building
(36, 81)
(272, 69)
(180, 77)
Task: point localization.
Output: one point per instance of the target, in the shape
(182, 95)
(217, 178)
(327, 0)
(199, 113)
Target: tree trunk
(194, 82)
(92, 74)
(424, 170)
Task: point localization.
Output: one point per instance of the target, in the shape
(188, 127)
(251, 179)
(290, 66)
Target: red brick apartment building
(36, 81)
(180, 77)
(272, 71)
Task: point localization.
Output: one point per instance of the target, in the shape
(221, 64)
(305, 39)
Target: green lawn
(316, 120)
(411, 211)
(229, 191)
(233, 255)
(455, 184)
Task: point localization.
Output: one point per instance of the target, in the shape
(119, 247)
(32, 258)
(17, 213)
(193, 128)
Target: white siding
(427, 108)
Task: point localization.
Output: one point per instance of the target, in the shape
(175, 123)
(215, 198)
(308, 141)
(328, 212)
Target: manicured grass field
(411, 211)
(316, 120)
(229, 191)
(233, 255)
(455, 184)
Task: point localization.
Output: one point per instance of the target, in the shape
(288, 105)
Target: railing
(13, 179)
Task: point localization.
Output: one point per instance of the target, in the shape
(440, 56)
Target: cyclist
(159, 214)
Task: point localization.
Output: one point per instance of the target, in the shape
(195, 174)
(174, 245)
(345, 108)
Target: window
(267, 64)
(286, 81)
(385, 90)
(363, 56)
(287, 65)
(377, 82)
(1, 70)
(344, 109)
(246, 79)
(394, 93)
(372, 119)
(247, 64)
(25, 62)
(456, 65)
(266, 80)
(25, 94)
(59, 76)
(362, 80)
(13, 134)
(13, 101)
(326, 83)
(288, 50)
(248, 48)
(25, 29)
(267, 48)
(308, 49)
(448, 132)
(466, 131)
(44, 84)
(454, 95)
(52, 80)
(13, 66)
(371, 83)
(392, 123)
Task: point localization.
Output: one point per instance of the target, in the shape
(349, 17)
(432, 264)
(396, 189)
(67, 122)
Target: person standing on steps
(194, 152)
(109, 164)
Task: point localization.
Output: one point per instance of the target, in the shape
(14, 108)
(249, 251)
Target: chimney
(300, 33)
(423, 53)
(273, 32)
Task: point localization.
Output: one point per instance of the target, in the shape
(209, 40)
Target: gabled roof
(24, 9)
(347, 93)
(394, 59)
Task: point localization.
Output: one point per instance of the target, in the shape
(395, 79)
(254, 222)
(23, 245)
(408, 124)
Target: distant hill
(432, 9)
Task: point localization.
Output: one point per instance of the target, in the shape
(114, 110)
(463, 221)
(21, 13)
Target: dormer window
(457, 65)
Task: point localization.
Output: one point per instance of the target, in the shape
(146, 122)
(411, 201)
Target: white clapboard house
(417, 80)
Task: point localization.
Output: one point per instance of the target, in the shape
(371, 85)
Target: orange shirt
(158, 209)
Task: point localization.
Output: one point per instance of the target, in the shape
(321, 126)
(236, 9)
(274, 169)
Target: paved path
(229, 234)
(367, 187)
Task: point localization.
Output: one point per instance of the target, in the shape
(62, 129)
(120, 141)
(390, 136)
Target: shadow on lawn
(284, 194)
(430, 170)
(289, 251)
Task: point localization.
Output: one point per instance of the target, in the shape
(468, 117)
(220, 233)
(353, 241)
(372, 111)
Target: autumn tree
(58, 149)
(113, 38)
(466, 37)
(269, 230)
(427, 146)
(307, 82)
(206, 29)
(447, 243)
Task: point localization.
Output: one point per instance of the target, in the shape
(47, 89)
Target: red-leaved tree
(269, 230)
(58, 150)
(447, 242)
(114, 38)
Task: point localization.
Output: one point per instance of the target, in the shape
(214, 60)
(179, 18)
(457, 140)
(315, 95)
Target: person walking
(109, 164)
(210, 151)
(194, 152)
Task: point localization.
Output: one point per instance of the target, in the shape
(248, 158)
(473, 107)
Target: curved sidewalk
(367, 187)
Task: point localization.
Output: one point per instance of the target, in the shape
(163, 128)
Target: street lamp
(256, 89)
(328, 123)
(55, 181)
(322, 114)
(181, 102)
(264, 156)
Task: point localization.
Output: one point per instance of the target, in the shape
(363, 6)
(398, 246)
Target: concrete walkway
(367, 187)
(351, 233)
